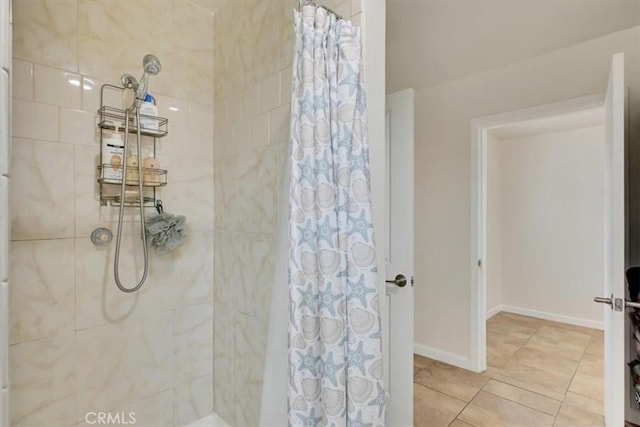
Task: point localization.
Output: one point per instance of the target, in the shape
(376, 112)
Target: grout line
(458, 419)
(537, 329)
(575, 372)
(529, 391)
(523, 389)
(470, 400)
(441, 392)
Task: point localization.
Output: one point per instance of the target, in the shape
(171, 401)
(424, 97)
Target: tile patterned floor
(540, 373)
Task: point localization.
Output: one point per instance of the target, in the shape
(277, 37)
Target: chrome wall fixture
(129, 119)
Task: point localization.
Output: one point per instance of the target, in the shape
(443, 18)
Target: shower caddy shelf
(111, 118)
(108, 115)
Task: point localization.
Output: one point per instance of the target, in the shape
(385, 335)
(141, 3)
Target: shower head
(151, 66)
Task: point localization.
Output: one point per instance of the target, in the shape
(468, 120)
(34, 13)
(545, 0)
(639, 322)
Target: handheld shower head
(151, 65)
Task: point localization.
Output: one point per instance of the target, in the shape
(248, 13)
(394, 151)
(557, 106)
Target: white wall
(493, 262)
(552, 232)
(459, 38)
(443, 193)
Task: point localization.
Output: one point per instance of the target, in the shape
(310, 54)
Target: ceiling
(211, 5)
(430, 42)
(559, 123)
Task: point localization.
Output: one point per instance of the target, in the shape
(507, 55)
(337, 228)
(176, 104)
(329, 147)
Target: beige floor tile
(566, 335)
(496, 360)
(587, 385)
(535, 370)
(568, 327)
(499, 315)
(488, 410)
(531, 386)
(509, 329)
(596, 344)
(538, 380)
(501, 348)
(523, 397)
(434, 409)
(421, 362)
(518, 319)
(559, 341)
(455, 382)
(415, 373)
(572, 416)
(491, 371)
(548, 362)
(584, 402)
(591, 365)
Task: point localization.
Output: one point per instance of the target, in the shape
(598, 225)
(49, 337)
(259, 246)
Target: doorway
(544, 218)
(545, 257)
(482, 129)
(617, 396)
(544, 364)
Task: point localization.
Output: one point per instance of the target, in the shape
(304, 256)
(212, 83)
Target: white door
(614, 278)
(398, 325)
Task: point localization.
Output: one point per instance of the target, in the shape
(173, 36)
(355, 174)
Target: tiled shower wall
(253, 53)
(78, 345)
(5, 79)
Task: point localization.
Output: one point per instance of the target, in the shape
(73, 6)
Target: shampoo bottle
(132, 168)
(149, 114)
(151, 174)
(112, 157)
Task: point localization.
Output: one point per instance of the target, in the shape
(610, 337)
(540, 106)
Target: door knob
(602, 300)
(400, 281)
(617, 304)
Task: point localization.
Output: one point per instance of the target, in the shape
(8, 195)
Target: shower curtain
(334, 341)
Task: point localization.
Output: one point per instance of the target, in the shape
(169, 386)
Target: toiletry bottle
(132, 168)
(149, 114)
(132, 195)
(112, 157)
(151, 175)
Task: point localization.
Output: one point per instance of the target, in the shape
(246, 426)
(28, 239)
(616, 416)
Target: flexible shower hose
(116, 264)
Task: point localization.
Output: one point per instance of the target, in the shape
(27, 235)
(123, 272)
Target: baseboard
(465, 362)
(495, 310)
(551, 316)
(442, 356)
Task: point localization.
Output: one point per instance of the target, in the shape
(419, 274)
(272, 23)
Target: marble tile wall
(253, 55)
(6, 73)
(78, 344)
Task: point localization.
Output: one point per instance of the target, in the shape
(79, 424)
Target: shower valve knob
(101, 237)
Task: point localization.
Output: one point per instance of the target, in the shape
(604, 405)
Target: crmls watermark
(120, 418)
